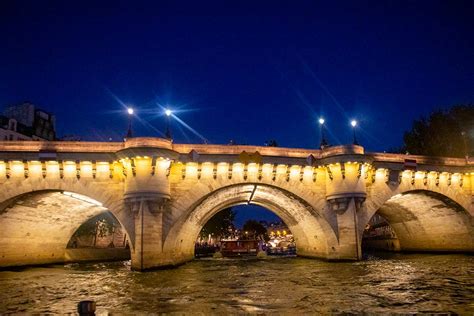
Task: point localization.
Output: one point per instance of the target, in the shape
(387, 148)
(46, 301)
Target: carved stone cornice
(340, 204)
(154, 204)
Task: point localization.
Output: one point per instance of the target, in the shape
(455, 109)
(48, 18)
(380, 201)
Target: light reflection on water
(400, 284)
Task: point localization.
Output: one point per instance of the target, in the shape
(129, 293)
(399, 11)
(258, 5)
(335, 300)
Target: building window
(11, 137)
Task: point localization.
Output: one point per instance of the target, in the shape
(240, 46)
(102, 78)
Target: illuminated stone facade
(163, 193)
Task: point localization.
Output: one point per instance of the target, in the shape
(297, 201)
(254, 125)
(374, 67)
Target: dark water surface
(398, 284)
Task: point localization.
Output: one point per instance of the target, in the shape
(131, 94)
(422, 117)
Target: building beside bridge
(25, 121)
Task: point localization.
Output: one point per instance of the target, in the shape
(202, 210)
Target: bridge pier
(149, 231)
(346, 209)
(345, 195)
(146, 192)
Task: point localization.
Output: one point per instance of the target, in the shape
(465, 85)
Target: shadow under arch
(424, 220)
(313, 235)
(379, 235)
(37, 226)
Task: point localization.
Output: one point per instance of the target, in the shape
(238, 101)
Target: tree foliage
(255, 229)
(102, 225)
(218, 225)
(447, 133)
(271, 143)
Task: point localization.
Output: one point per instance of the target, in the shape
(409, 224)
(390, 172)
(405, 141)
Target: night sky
(244, 71)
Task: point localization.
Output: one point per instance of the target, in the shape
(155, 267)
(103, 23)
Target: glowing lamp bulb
(130, 111)
(168, 112)
(354, 123)
(321, 121)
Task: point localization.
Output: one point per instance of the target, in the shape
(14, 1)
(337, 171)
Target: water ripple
(402, 284)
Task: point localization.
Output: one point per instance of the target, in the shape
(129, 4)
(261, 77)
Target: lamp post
(323, 143)
(168, 113)
(354, 124)
(130, 112)
(466, 149)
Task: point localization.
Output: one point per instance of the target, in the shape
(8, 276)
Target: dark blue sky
(244, 213)
(242, 71)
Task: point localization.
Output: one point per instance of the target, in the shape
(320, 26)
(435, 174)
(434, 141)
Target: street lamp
(323, 143)
(130, 112)
(465, 143)
(354, 125)
(168, 113)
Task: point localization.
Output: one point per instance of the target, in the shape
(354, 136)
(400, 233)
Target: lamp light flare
(130, 111)
(354, 124)
(168, 130)
(323, 142)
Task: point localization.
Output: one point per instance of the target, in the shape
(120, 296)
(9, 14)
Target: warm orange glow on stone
(103, 169)
(237, 168)
(191, 170)
(325, 213)
(281, 169)
(420, 175)
(295, 172)
(3, 169)
(267, 170)
(17, 169)
(69, 169)
(86, 169)
(35, 170)
(52, 169)
(222, 168)
(252, 169)
(206, 169)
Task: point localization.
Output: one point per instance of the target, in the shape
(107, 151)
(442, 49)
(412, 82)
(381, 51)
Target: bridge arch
(313, 234)
(37, 225)
(109, 193)
(425, 220)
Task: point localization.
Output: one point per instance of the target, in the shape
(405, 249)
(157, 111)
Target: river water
(399, 283)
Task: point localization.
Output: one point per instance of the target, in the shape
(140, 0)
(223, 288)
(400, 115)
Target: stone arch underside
(314, 236)
(429, 221)
(36, 227)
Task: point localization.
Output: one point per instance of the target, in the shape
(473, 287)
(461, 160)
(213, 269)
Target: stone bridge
(163, 193)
